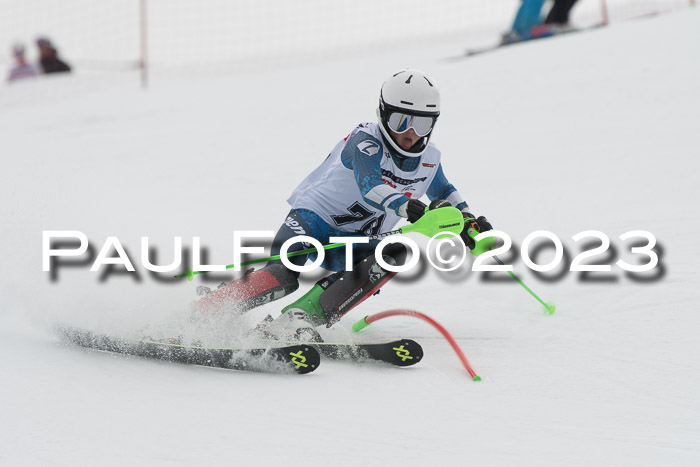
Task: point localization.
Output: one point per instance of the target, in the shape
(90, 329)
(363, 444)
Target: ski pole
(488, 243)
(548, 307)
(447, 219)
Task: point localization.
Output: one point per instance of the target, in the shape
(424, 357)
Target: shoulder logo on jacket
(368, 147)
(425, 164)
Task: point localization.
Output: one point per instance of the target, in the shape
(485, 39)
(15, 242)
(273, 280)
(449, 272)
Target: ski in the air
(299, 358)
(404, 352)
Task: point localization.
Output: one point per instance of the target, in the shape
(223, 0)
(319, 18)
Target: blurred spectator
(48, 57)
(559, 14)
(22, 69)
(528, 22)
(527, 18)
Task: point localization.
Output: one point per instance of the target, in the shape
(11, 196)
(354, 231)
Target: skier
(528, 23)
(371, 180)
(22, 69)
(49, 59)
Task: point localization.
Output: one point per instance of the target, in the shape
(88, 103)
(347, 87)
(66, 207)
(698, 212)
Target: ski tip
(477, 378)
(406, 352)
(303, 358)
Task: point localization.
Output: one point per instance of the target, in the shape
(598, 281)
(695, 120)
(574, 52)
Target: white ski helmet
(409, 99)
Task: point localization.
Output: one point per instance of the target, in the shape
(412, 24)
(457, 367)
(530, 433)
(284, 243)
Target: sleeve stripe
(379, 193)
(389, 199)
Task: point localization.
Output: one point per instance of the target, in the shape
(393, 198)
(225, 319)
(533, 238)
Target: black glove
(416, 208)
(438, 203)
(480, 224)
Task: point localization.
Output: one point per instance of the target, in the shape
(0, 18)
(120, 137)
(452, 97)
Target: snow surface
(596, 130)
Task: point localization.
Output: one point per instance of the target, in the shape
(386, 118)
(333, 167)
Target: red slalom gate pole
(367, 320)
(604, 12)
(143, 63)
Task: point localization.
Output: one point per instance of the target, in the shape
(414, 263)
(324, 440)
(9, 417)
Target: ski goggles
(399, 122)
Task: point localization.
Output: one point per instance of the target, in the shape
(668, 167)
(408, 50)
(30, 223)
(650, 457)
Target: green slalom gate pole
(448, 220)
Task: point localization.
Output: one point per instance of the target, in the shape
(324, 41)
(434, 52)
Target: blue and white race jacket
(361, 185)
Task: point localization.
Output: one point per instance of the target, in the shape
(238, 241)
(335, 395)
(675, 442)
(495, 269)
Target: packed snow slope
(593, 131)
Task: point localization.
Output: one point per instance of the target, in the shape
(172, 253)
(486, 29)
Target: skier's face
(406, 139)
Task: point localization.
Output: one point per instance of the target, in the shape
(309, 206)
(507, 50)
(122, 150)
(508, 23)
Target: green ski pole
(548, 307)
(488, 244)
